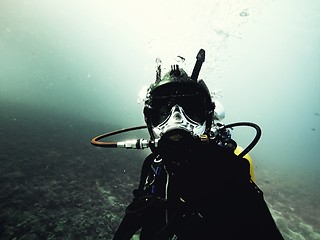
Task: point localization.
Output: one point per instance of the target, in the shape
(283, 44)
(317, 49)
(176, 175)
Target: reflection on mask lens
(193, 106)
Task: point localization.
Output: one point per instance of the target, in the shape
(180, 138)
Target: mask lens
(192, 104)
(161, 109)
(194, 107)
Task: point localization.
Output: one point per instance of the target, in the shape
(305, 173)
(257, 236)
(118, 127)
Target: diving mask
(189, 120)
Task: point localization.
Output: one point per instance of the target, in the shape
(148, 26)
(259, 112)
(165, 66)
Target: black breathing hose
(254, 141)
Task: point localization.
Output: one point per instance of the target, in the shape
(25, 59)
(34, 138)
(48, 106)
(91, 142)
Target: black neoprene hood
(177, 84)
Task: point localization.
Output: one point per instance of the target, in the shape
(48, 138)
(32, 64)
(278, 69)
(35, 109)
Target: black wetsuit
(203, 193)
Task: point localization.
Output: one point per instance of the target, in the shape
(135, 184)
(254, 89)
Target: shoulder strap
(145, 172)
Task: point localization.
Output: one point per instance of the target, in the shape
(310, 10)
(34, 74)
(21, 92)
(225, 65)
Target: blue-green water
(70, 71)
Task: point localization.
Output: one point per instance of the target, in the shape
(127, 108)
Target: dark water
(54, 183)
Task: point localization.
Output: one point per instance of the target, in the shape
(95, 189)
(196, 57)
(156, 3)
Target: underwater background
(71, 70)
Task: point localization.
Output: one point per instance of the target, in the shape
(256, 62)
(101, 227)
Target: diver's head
(178, 107)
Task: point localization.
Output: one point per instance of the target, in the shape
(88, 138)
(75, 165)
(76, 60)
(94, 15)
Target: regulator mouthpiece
(177, 140)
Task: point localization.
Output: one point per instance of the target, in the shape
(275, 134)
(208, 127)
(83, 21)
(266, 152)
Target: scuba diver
(192, 185)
